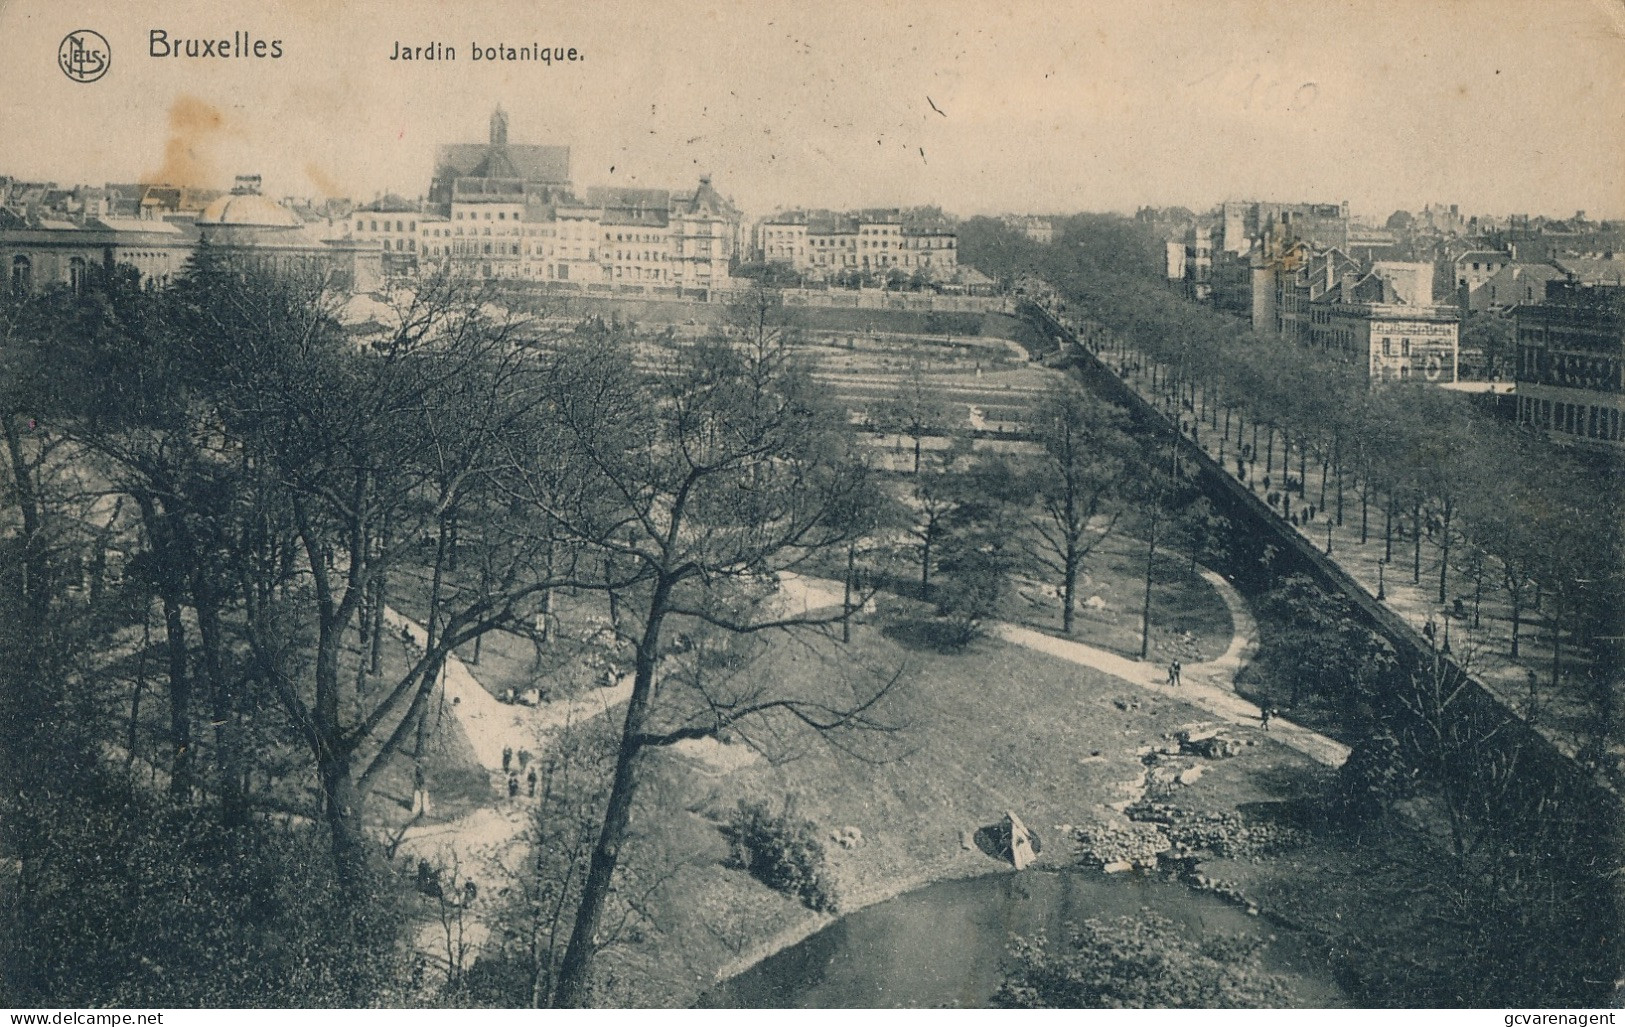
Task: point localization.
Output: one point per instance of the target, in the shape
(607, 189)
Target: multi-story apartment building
(1512, 283)
(1397, 340)
(1382, 315)
(828, 243)
(1571, 363)
(1475, 267)
(509, 211)
(390, 224)
(1038, 229)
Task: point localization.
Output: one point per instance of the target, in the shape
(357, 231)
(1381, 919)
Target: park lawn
(989, 729)
(1189, 619)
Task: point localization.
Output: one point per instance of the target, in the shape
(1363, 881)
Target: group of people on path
(428, 883)
(1265, 713)
(513, 775)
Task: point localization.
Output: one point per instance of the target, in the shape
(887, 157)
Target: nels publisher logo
(84, 55)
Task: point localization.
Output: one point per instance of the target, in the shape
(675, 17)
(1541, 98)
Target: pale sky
(1499, 106)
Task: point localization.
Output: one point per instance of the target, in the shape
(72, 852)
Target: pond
(945, 944)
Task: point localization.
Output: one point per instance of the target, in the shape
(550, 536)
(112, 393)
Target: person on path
(524, 758)
(420, 791)
(507, 756)
(513, 785)
(530, 784)
(1264, 717)
(1177, 670)
(471, 891)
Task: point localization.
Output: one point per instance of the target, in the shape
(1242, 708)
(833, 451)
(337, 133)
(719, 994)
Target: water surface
(946, 944)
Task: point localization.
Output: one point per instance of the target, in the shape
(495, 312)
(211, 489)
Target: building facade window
(22, 274)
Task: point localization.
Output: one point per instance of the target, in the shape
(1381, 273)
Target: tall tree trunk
(1388, 530)
(1444, 550)
(343, 811)
(1337, 462)
(1069, 586)
(1557, 647)
(132, 738)
(1516, 595)
(1416, 542)
(1145, 606)
(375, 647)
(180, 701)
(228, 753)
(35, 589)
(343, 801)
(846, 594)
(925, 564)
(575, 970)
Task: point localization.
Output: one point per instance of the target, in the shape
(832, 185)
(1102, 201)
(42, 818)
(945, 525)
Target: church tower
(499, 127)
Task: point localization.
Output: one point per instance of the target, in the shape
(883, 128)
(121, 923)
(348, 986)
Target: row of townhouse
(826, 243)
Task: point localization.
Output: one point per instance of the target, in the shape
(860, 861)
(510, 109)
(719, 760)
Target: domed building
(245, 223)
(247, 210)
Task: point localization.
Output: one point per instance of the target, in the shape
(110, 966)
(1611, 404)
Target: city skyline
(1498, 107)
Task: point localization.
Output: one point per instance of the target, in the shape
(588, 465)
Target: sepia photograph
(746, 504)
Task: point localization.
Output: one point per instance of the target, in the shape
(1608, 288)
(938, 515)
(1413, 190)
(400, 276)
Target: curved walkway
(488, 844)
(1209, 686)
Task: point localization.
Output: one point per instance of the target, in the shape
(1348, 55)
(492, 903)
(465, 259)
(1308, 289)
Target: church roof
(529, 163)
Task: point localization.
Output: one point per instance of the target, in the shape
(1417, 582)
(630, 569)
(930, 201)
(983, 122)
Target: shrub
(123, 900)
(782, 851)
(1139, 962)
(1373, 778)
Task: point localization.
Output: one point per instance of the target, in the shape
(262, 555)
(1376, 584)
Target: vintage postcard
(750, 504)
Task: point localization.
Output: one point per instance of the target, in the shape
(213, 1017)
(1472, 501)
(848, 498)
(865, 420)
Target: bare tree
(1085, 459)
(705, 483)
(914, 409)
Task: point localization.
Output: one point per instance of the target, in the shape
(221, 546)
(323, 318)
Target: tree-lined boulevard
(765, 625)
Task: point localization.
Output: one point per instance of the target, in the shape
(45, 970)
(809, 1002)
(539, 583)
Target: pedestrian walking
(1177, 670)
(530, 784)
(420, 792)
(513, 785)
(471, 891)
(507, 756)
(1264, 717)
(524, 758)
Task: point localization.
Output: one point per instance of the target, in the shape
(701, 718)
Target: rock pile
(1120, 846)
(847, 837)
(1228, 835)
